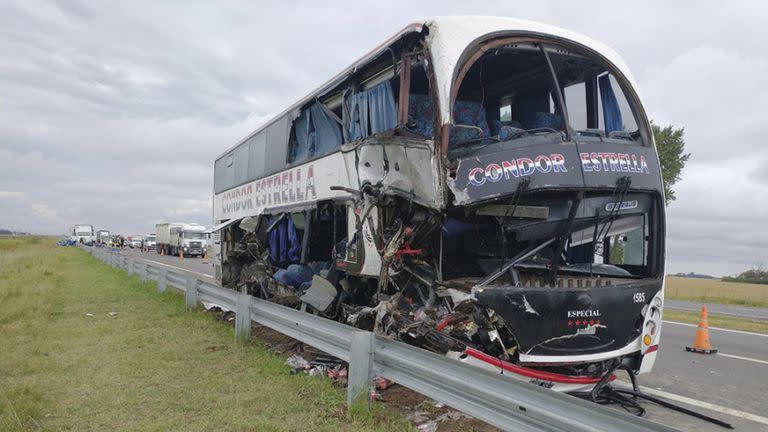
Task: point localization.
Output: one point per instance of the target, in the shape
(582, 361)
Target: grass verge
(721, 321)
(716, 291)
(67, 364)
(721, 300)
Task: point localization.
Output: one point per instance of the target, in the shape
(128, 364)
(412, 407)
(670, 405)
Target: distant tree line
(5, 231)
(755, 275)
(694, 275)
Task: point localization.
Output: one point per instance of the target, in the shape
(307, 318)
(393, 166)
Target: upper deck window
(510, 94)
(315, 132)
(368, 112)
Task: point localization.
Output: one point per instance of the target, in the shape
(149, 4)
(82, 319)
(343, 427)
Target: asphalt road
(192, 264)
(731, 385)
(734, 379)
(720, 309)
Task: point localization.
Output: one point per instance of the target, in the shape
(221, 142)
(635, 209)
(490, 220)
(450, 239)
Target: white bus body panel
(303, 184)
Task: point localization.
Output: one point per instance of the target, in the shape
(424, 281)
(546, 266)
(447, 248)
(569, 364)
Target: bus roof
(448, 39)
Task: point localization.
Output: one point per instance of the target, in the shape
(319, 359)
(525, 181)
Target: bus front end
(556, 224)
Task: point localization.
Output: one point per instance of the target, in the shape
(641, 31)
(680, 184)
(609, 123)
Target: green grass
(716, 291)
(721, 321)
(153, 366)
(722, 300)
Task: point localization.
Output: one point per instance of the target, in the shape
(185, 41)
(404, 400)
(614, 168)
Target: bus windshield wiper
(565, 234)
(620, 192)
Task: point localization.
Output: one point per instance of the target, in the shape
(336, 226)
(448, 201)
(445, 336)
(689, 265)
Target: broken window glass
(509, 94)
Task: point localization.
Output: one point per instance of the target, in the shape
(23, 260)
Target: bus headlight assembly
(650, 331)
(651, 327)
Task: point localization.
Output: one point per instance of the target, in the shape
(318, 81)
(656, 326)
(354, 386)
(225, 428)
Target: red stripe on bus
(532, 373)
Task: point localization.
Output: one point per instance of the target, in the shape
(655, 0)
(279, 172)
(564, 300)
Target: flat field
(83, 347)
(716, 291)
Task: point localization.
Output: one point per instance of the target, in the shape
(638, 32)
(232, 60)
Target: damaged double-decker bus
(484, 188)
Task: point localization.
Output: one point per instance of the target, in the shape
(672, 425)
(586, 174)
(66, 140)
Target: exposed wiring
(605, 394)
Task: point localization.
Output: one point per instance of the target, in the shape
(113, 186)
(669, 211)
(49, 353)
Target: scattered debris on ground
(425, 414)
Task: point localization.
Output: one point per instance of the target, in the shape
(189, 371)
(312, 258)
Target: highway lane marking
(706, 405)
(713, 312)
(720, 329)
(742, 358)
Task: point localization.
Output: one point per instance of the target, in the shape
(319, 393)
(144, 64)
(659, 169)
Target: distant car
(67, 241)
(134, 243)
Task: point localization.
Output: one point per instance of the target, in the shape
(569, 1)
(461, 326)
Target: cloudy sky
(112, 113)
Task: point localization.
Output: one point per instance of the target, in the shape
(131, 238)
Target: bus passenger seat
(464, 133)
(507, 132)
(420, 114)
(471, 114)
(547, 120)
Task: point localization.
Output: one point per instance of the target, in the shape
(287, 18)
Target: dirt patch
(419, 409)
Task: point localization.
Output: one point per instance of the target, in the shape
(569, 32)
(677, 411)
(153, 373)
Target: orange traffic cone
(205, 258)
(701, 342)
(181, 255)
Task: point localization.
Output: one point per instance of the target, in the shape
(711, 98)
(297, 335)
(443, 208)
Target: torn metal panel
(320, 294)
(223, 225)
(404, 166)
(249, 223)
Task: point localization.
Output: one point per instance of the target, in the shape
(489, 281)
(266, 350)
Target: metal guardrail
(488, 396)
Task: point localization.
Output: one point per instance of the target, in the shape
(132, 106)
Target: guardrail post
(162, 280)
(243, 318)
(191, 294)
(143, 272)
(360, 370)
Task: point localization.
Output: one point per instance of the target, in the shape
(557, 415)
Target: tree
(671, 147)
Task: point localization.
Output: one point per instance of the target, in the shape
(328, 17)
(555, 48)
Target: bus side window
(224, 173)
(421, 118)
(256, 155)
(315, 132)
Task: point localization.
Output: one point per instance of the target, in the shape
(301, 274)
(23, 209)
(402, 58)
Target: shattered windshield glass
(536, 244)
(508, 97)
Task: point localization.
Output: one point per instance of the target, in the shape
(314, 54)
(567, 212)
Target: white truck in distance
(102, 236)
(175, 238)
(150, 241)
(83, 234)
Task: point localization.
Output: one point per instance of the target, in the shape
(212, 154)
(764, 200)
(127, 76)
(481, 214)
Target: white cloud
(112, 116)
